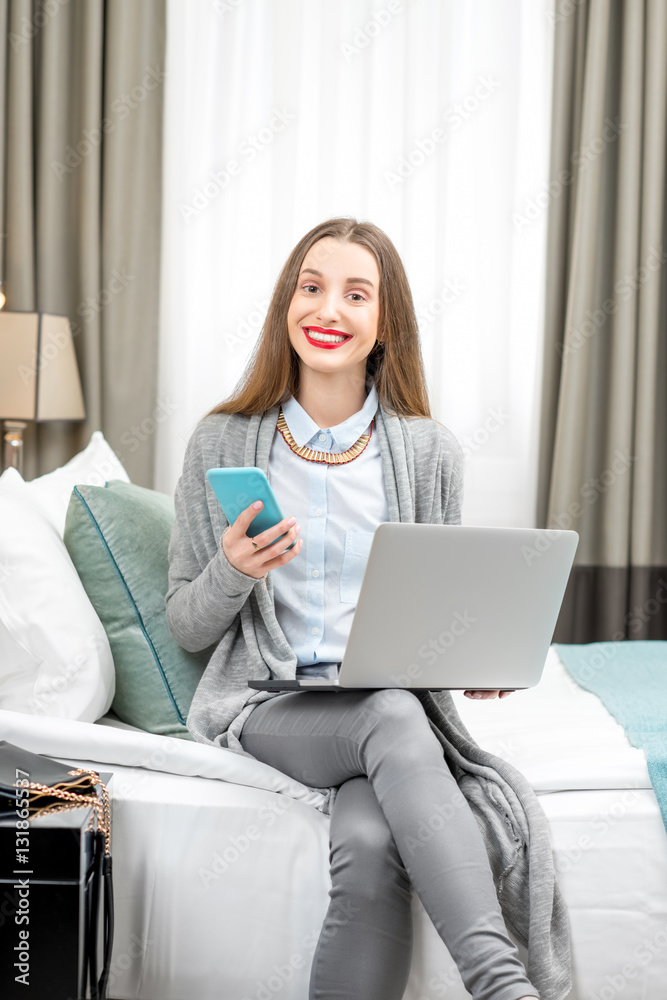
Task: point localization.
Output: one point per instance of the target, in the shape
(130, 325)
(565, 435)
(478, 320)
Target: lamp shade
(39, 378)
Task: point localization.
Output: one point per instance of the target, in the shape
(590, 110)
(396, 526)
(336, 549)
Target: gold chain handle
(74, 800)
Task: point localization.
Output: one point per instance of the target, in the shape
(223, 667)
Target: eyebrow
(350, 281)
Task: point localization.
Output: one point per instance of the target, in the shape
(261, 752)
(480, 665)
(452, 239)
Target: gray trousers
(399, 820)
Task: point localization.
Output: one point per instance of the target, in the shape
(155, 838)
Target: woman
(337, 372)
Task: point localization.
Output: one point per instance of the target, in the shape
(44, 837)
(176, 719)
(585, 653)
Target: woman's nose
(329, 308)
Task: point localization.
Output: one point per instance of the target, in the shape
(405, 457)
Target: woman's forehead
(330, 255)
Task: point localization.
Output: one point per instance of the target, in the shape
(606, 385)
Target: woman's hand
(486, 694)
(248, 555)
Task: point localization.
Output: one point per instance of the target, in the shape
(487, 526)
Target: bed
(221, 862)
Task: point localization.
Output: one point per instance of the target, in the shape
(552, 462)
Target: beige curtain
(81, 97)
(603, 433)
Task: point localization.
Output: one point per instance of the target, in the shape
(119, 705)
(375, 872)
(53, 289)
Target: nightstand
(49, 939)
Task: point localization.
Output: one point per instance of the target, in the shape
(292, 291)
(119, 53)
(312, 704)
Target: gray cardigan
(211, 604)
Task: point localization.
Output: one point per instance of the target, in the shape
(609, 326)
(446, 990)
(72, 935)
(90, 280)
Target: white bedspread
(111, 742)
(560, 736)
(221, 861)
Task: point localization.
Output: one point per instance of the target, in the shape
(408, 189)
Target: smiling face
(333, 316)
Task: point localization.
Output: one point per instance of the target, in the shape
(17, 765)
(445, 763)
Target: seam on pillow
(133, 603)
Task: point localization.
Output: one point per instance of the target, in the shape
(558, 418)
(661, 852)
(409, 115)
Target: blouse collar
(303, 428)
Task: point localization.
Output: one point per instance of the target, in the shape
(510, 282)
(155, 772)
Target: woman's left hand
(486, 694)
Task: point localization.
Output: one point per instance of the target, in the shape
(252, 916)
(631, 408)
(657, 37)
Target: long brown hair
(395, 363)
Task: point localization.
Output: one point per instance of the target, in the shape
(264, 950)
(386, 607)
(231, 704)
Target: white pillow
(51, 493)
(55, 657)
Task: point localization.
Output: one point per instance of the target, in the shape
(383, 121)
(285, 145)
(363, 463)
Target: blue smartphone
(237, 488)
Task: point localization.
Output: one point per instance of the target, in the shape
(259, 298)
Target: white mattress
(221, 861)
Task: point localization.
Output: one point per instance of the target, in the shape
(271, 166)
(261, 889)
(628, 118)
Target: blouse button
(322, 437)
(318, 511)
(316, 573)
(316, 631)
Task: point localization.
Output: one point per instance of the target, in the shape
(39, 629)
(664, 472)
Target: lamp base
(13, 445)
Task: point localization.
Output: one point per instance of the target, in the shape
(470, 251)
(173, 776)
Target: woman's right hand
(248, 555)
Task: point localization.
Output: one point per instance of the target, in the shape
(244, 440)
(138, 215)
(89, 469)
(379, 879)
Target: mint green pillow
(118, 538)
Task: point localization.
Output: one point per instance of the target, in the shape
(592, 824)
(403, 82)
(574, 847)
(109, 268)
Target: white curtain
(429, 118)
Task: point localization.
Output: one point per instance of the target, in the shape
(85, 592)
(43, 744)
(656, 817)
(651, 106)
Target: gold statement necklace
(327, 457)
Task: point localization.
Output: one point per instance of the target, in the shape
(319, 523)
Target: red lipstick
(319, 343)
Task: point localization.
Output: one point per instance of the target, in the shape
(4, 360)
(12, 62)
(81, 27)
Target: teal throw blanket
(630, 679)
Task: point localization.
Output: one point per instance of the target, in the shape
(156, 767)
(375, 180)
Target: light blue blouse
(338, 507)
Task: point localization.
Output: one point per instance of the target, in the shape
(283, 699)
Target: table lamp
(39, 378)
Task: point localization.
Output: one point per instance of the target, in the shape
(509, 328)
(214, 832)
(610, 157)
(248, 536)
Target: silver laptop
(452, 606)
